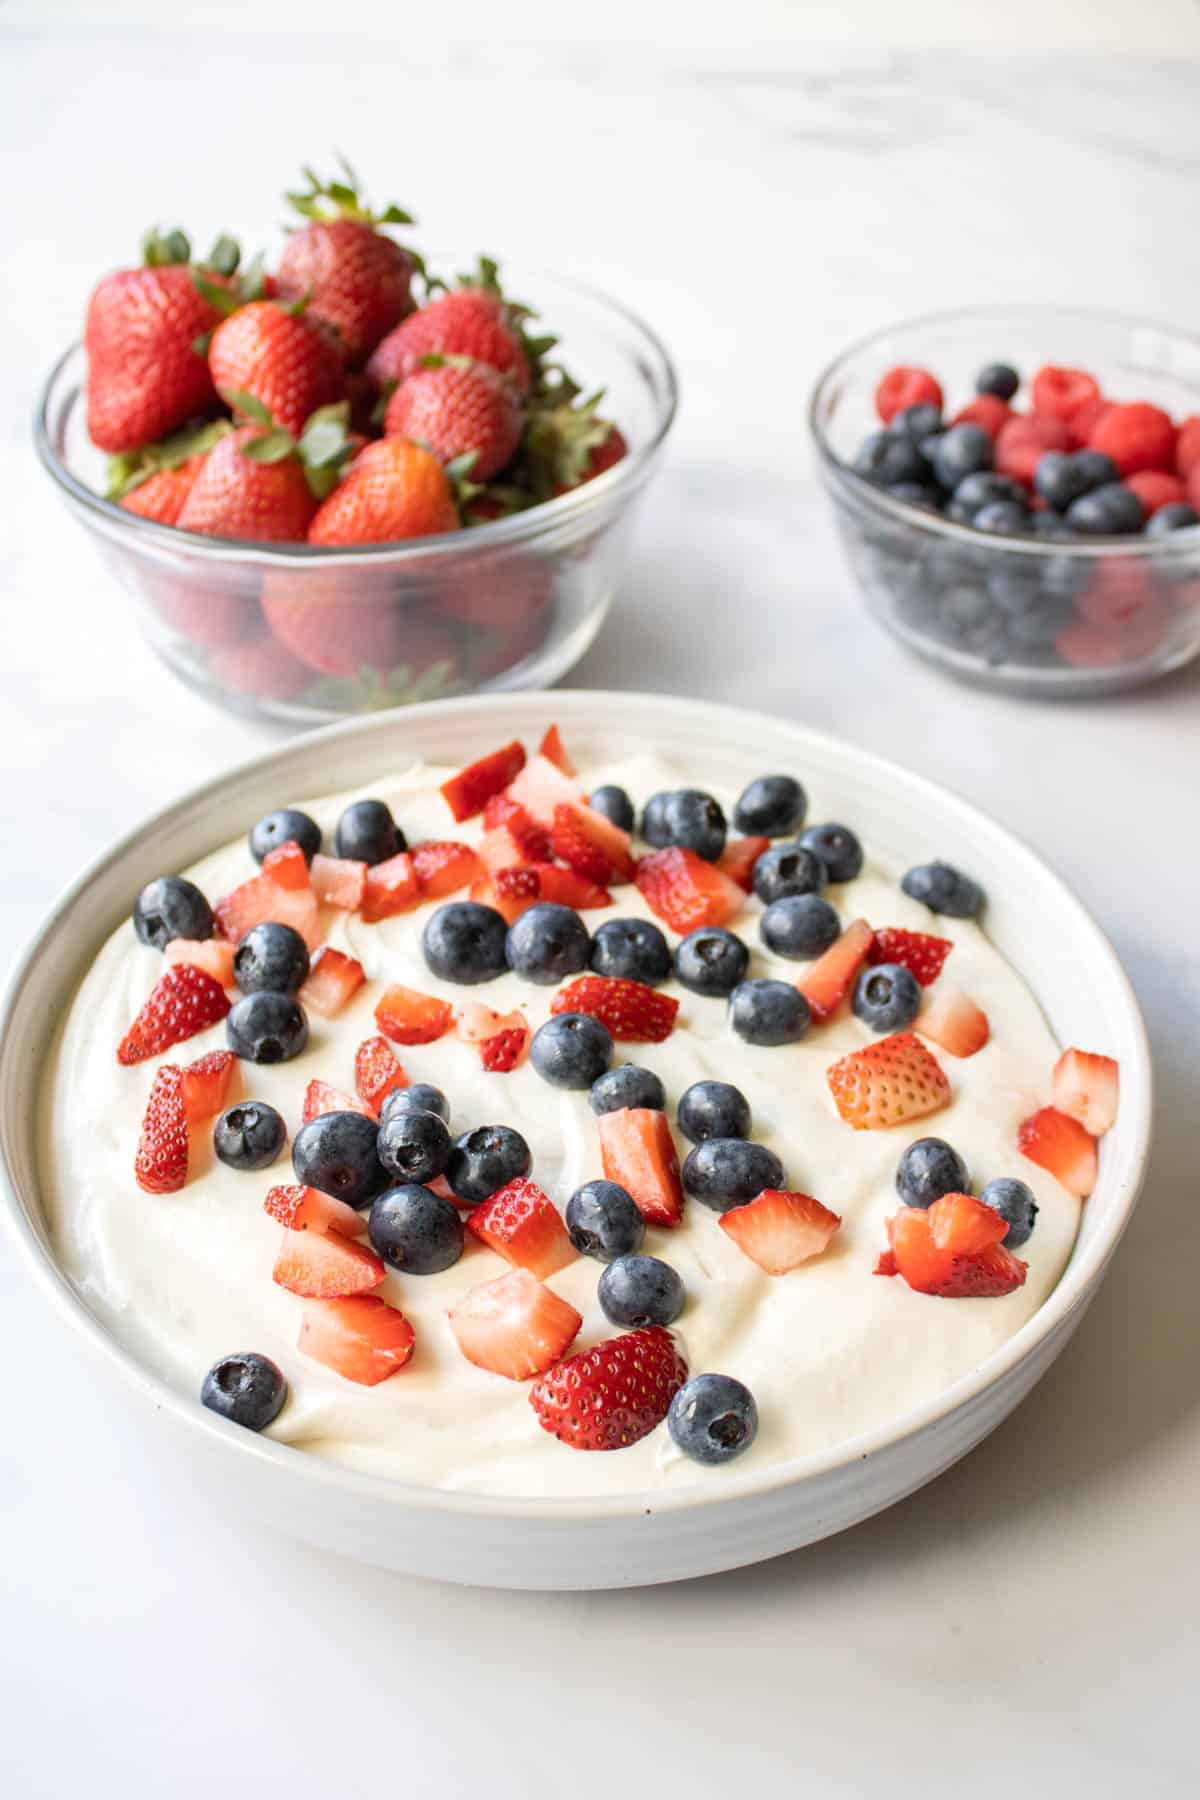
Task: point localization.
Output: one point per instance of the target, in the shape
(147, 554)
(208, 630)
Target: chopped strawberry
(320, 1098)
(551, 747)
(915, 1256)
(409, 1017)
(613, 1394)
(918, 951)
(339, 881)
(1087, 1088)
(323, 1265)
(961, 1225)
(953, 1020)
(533, 839)
(930, 1268)
(510, 892)
(502, 1039)
(333, 979)
(286, 867)
(391, 887)
(566, 888)
(213, 955)
(826, 983)
(685, 892)
(377, 1072)
(987, 1274)
(523, 1226)
(206, 1084)
(500, 849)
(739, 857)
(1057, 1142)
(308, 1209)
(886, 1264)
(591, 844)
(362, 1338)
(468, 792)
(779, 1231)
(182, 1002)
(161, 1164)
(261, 901)
(632, 1012)
(887, 1082)
(540, 788)
(443, 868)
(638, 1153)
(514, 1326)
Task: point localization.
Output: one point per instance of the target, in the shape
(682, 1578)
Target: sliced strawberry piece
(468, 792)
(362, 1338)
(887, 1082)
(308, 1209)
(887, 1263)
(286, 867)
(514, 1326)
(988, 1274)
(523, 1226)
(779, 1231)
(320, 1098)
(502, 810)
(918, 951)
(213, 955)
(551, 747)
(323, 1265)
(499, 849)
(739, 857)
(408, 1017)
(540, 787)
(206, 1085)
(510, 892)
(1087, 1088)
(685, 892)
(390, 888)
(502, 1038)
(632, 1012)
(953, 1020)
(339, 881)
(161, 1164)
(591, 844)
(930, 1269)
(826, 983)
(444, 867)
(377, 1072)
(261, 901)
(961, 1225)
(1059, 1143)
(613, 1394)
(333, 980)
(915, 1255)
(638, 1153)
(566, 888)
(183, 1001)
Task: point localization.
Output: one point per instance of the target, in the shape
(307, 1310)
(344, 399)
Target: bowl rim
(622, 479)
(1055, 1316)
(839, 474)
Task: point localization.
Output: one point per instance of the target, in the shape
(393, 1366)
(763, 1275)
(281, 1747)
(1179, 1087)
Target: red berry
(638, 1152)
(1059, 393)
(323, 1265)
(459, 410)
(213, 955)
(501, 1039)
(337, 881)
(514, 1326)
(308, 1209)
(1057, 1142)
(591, 844)
(541, 787)
(1024, 440)
(612, 1395)
(826, 983)
(409, 1017)
(443, 868)
(1087, 1088)
(182, 1002)
(1187, 446)
(888, 1083)
(551, 747)
(206, 1084)
(161, 1164)
(953, 1020)
(632, 1012)
(1155, 488)
(903, 387)
(390, 888)
(779, 1231)
(320, 1098)
(469, 791)
(988, 411)
(523, 1226)
(378, 1072)
(532, 839)
(685, 892)
(1136, 436)
(332, 981)
(918, 951)
(738, 858)
(361, 1337)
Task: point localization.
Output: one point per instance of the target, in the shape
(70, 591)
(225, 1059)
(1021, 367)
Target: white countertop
(1033, 1613)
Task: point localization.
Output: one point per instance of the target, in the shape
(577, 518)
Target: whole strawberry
(279, 357)
(162, 495)
(356, 280)
(469, 321)
(459, 408)
(392, 490)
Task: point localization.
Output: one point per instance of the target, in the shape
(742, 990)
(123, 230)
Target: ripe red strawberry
(377, 1072)
(278, 357)
(919, 951)
(888, 1082)
(514, 1326)
(333, 980)
(1024, 440)
(393, 490)
(988, 411)
(591, 844)
(1187, 446)
(459, 409)
(551, 747)
(408, 1017)
(362, 1337)
(685, 892)
(161, 496)
(183, 1001)
(308, 1209)
(540, 788)
(510, 892)
(146, 377)
(235, 495)
(985, 1275)
(206, 1085)
(904, 386)
(161, 1164)
(738, 858)
(632, 1012)
(323, 1265)
(213, 955)
(443, 868)
(612, 1395)
(465, 322)
(566, 888)
(1087, 1088)
(320, 1098)
(826, 983)
(930, 1269)
(1084, 420)
(286, 867)
(521, 1224)
(1059, 393)
(605, 455)
(391, 887)
(264, 669)
(501, 1038)
(638, 1152)
(779, 1230)
(1136, 436)
(338, 881)
(261, 901)
(1156, 489)
(340, 623)
(503, 812)
(352, 277)
(953, 1020)
(1057, 1142)
(961, 1225)
(474, 787)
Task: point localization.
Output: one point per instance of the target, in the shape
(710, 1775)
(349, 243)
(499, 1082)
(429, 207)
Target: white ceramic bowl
(634, 1538)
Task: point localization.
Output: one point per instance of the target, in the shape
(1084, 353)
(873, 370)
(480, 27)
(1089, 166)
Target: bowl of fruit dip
(405, 1359)
(1018, 491)
(345, 485)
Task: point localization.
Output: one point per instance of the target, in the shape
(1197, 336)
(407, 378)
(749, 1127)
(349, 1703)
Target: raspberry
(1059, 393)
(1137, 436)
(1084, 420)
(903, 387)
(1154, 489)
(985, 410)
(1187, 447)
(1024, 440)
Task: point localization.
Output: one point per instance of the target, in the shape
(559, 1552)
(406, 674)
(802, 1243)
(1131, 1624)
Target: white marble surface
(1033, 1616)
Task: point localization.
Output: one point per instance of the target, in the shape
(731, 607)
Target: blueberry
(367, 832)
(981, 489)
(928, 1169)
(837, 847)
(486, 1159)
(1059, 479)
(725, 1172)
(887, 997)
(571, 1050)
(633, 950)
(694, 821)
(887, 457)
(627, 1086)
(788, 869)
(1096, 469)
(289, 825)
(1014, 1201)
(613, 803)
(1177, 515)
(338, 1153)
(1110, 511)
(415, 1231)
(1052, 526)
(654, 821)
(713, 1109)
(959, 452)
(800, 926)
(713, 1418)
(547, 943)
(769, 1012)
(999, 379)
(267, 1028)
(944, 889)
(711, 960)
(639, 1291)
(249, 1389)
(603, 1221)
(1002, 518)
(272, 958)
(917, 422)
(420, 1097)
(465, 942)
(249, 1135)
(414, 1146)
(169, 908)
(916, 493)
(771, 806)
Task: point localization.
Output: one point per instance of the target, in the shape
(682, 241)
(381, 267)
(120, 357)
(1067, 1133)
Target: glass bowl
(306, 635)
(1019, 614)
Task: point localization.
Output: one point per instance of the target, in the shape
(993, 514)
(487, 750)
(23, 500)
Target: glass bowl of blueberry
(1018, 491)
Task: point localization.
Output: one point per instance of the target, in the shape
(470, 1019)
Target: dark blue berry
(603, 1221)
(640, 1290)
(960, 451)
(916, 493)
(632, 950)
(267, 1028)
(788, 869)
(420, 1097)
(466, 943)
(714, 1109)
(249, 1135)
(415, 1231)
(984, 487)
(271, 958)
(713, 1418)
(654, 820)
(711, 960)
(1060, 479)
(171, 907)
(837, 848)
(799, 926)
(1177, 515)
(1096, 469)
(338, 1153)
(249, 1389)
(571, 1050)
(627, 1086)
(887, 457)
(289, 825)
(1050, 525)
(917, 422)
(486, 1159)
(694, 821)
(929, 1168)
(1002, 518)
(887, 997)
(944, 889)
(414, 1146)
(613, 803)
(367, 832)
(547, 943)
(1000, 379)
(725, 1172)
(1014, 1201)
(769, 1012)
(771, 806)
(1110, 511)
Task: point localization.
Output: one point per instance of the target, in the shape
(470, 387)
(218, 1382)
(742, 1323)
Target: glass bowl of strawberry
(1018, 492)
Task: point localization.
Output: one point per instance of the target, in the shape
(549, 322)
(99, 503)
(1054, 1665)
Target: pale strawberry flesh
(514, 1326)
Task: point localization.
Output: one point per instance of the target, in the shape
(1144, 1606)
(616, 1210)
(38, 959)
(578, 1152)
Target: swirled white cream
(829, 1350)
